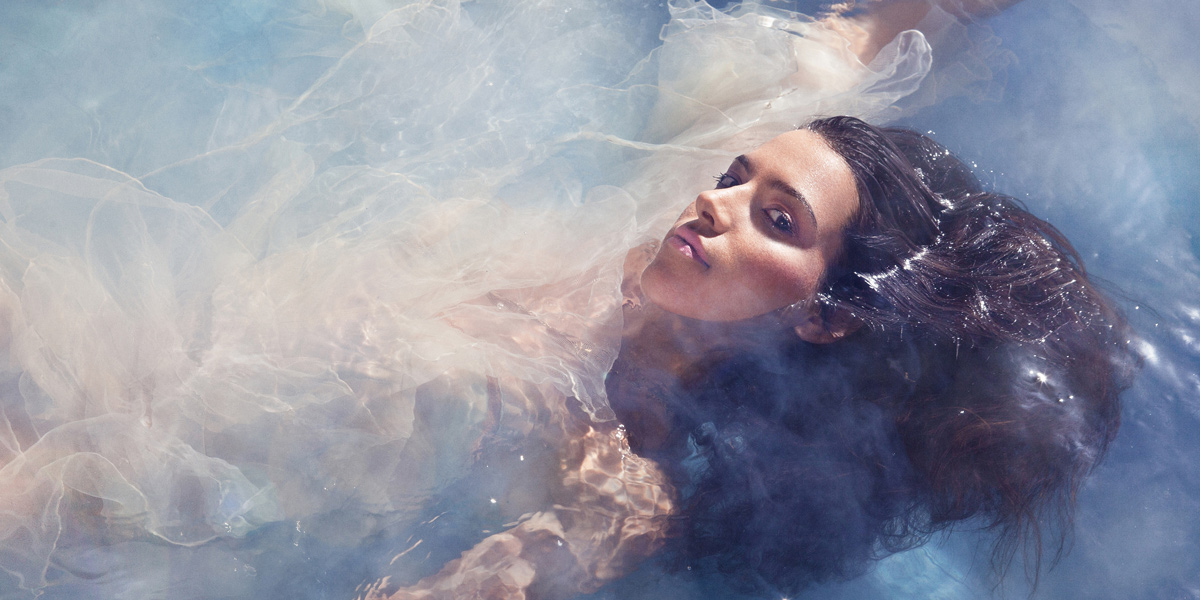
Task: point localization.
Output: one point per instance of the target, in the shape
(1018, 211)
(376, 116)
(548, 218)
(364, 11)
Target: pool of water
(1093, 124)
(1085, 110)
(1097, 132)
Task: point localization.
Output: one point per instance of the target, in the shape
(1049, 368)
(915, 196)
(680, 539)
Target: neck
(658, 349)
(657, 339)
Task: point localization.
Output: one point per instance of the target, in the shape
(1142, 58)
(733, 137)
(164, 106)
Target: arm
(614, 510)
(882, 20)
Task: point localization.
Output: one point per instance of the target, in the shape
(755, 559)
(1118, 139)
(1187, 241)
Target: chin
(671, 296)
(658, 291)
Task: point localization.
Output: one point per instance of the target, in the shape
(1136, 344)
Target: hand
(498, 568)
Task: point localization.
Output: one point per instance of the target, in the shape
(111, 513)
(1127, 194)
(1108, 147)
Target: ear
(814, 328)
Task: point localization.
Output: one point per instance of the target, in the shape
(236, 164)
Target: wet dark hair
(983, 386)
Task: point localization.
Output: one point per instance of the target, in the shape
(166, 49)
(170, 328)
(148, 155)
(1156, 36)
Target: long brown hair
(1023, 357)
(982, 388)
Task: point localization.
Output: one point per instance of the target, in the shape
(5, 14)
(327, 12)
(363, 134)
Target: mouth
(687, 242)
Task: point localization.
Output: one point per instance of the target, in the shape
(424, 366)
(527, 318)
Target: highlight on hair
(983, 387)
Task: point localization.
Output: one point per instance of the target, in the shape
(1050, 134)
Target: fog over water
(1097, 132)
(1092, 122)
(1086, 110)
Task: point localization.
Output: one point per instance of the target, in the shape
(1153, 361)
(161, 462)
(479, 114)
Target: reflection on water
(1093, 123)
(1097, 131)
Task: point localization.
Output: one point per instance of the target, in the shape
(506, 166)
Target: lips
(688, 242)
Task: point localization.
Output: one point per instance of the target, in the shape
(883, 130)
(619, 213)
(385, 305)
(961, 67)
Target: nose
(713, 208)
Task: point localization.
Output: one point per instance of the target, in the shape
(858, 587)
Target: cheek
(784, 277)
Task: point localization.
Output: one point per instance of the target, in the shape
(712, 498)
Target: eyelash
(721, 177)
(786, 226)
(726, 180)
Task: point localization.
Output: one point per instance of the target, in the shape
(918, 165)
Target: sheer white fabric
(235, 324)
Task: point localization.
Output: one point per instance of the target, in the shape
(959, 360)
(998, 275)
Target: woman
(258, 342)
(832, 361)
(978, 336)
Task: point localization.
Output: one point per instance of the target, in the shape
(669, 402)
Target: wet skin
(763, 239)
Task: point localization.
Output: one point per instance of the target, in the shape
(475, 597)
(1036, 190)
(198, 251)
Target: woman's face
(762, 239)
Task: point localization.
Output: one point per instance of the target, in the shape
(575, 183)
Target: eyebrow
(783, 187)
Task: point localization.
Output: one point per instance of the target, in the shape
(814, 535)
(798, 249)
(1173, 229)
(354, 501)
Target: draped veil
(238, 325)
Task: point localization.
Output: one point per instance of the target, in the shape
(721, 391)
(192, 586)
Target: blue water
(1090, 116)
(1097, 131)
(1094, 124)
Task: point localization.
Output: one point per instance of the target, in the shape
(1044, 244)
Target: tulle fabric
(291, 310)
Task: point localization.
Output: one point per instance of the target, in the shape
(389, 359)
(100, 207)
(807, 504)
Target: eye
(779, 219)
(725, 180)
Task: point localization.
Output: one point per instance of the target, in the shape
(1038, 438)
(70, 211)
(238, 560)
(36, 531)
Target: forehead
(803, 160)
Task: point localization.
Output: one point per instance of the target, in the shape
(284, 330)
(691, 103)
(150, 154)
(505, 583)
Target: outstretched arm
(871, 25)
(614, 511)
